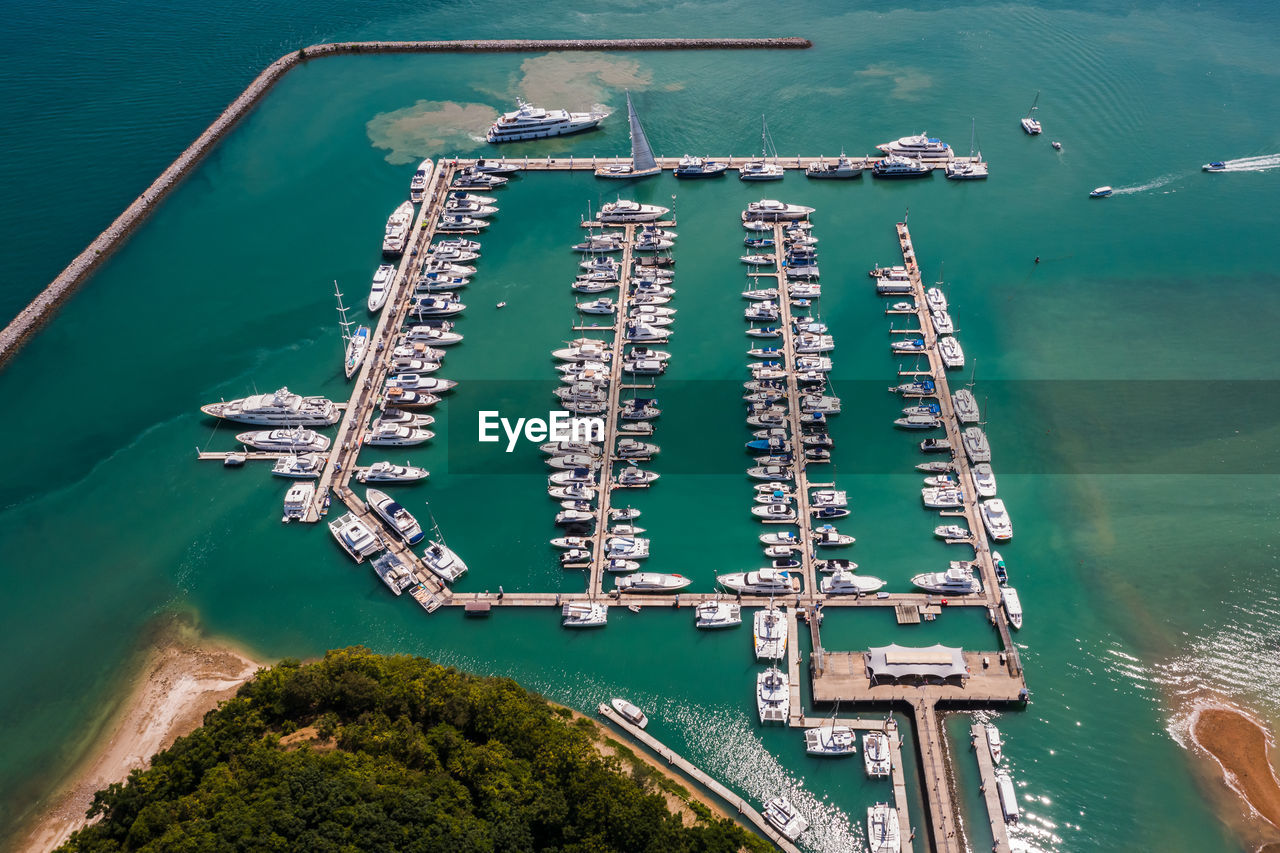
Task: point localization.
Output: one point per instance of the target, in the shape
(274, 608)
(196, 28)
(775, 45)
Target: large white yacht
(984, 480)
(297, 500)
(418, 183)
(282, 408)
(771, 210)
(399, 519)
(651, 582)
(996, 519)
(922, 146)
(773, 696)
(770, 628)
(355, 536)
(1012, 606)
(625, 210)
(847, 583)
(883, 832)
(294, 440)
(383, 276)
(397, 232)
(530, 122)
(876, 754)
(1008, 796)
(897, 166)
(762, 582)
(387, 472)
(783, 817)
(954, 581)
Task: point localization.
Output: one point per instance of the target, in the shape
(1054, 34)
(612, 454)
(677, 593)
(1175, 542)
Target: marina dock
(990, 794)
(799, 162)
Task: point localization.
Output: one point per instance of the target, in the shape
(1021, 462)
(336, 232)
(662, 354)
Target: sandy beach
(1241, 747)
(179, 684)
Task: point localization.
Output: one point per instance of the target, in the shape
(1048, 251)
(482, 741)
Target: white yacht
(1030, 125)
(630, 713)
(783, 817)
(984, 480)
(474, 209)
(883, 831)
(305, 467)
(996, 519)
(632, 476)
(355, 536)
(877, 754)
(772, 210)
(827, 536)
(585, 614)
(1008, 797)
(418, 382)
(386, 472)
(698, 167)
(830, 740)
(847, 583)
(432, 335)
(418, 183)
(773, 696)
(770, 634)
(281, 408)
(994, 743)
(383, 276)
(918, 421)
(1012, 606)
(530, 122)
(443, 562)
(897, 166)
(625, 210)
(762, 582)
(296, 440)
(952, 531)
(296, 501)
(841, 168)
(922, 146)
(951, 352)
(399, 519)
(397, 435)
(976, 446)
(718, 614)
(760, 170)
(775, 513)
(954, 581)
(397, 231)
(596, 243)
(627, 547)
(965, 405)
(459, 222)
(973, 169)
(394, 573)
(651, 582)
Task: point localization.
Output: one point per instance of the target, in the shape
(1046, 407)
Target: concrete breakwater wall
(47, 302)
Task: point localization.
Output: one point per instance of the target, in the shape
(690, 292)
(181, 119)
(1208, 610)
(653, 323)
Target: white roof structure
(897, 663)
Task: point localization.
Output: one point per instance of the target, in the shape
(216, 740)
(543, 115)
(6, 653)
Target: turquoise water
(1143, 590)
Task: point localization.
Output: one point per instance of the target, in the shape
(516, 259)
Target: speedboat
(956, 580)
(530, 122)
(841, 168)
(460, 222)
(921, 146)
(827, 536)
(783, 817)
(952, 531)
(1012, 606)
(633, 477)
(296, 440)
(586, 614)
(630, 713)
(830, 740)
(305, 467)
(355, 536)
(281, 408)
(651, 582)
(770, 634)
(772, 210)
(976, 446)
(773, 697)
(884, 835)
(399, 519)
(895, 166)
(770, 472)
(474, 209)
(1002, 571)
(876, 754)
(761, 582)
(996, 519)
(994, 743)
(625, 210)
(984, 480)
(397, 231)
(697, 167)
(1215, 166)
(297, 500)
(1101, 192)
(418, 183)
(618, 565)
(397, 435)
(574, 518)
(781, 538)
(576, 558)
(718, 614)
(847, 583)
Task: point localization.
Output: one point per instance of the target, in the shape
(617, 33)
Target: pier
(800, 162)
(990, 793)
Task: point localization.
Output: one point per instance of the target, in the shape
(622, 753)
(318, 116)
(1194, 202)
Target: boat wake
(1159, 182)
(1252, 164)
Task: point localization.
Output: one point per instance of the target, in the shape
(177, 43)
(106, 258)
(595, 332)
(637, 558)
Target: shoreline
(1240, 746)
(180, 680)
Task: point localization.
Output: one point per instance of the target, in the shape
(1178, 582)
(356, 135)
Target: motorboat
(984, 480)
(651, 582)
(942, 498)
(973, 169)
(600, 263)
(630, 713)
(494, 167)
(884, 835)
(782, 538)
(832, 566)
(760, 170)
(772, 210)
(937, 467)
(876, 752)
(718, 614)
(761, 582)
(941, 481)
(773, 696)
(404, 399)
(783, 817)
(432, 335)
(633, 477)
(412, 365)
(455, 222)
(443, 562)
(918, 421)
(956, 580)
(297, 501)
(530, 122)
(576, 558)
(976, 446)
(395, 574)
(697, 167)
(965, 406)
(1030, 125)
(816, 404)
(843, 582)
(648, 243)
(935, 445)
(1008, 796)
(474, 209)
(584, 349)
(904, 307)
(1101, 192)
(597, 243)
(418, 350)
(578, 476)
(440, 305)
(639, 410)
(921, 146)
(995, 744)
(281, 408)
(399, 519)
(355, 536)
(770, 472)
(618, 565)
(627, 547)
(574, 518)
(469, 178)
(296, 440)
(841, 168)
(1002, 571)
(386, 472)
(951, 352)
(824, 513)
(418, 183)
(1215, 166)
(1012, 606)
(763, 294)
(585, 614)
(560, 448)
(625, 210)
(396, 234)
(996, 519)
(952, 531)
(629, 448)
(643, 367)
(908, 345)
(896, 166)
(637, 331)
(915, 388)
(770, 634)
(304, 467)
(759, 261)
(459, 244)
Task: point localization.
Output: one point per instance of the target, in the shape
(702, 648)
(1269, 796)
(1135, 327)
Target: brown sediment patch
(429, 128)
(1241, 746)
(180, 682)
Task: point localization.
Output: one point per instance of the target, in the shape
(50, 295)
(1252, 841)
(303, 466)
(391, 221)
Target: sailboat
(439, 557)
(974, 169)
(357, 343)
(642, 164)
(762, 169)
(1029, 123)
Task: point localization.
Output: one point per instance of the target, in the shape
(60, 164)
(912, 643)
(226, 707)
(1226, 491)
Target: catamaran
(1029, 124)
(973, 169)
(762, 169)
(718, 614)
(440, 558)
(884, 835)
(642, 163)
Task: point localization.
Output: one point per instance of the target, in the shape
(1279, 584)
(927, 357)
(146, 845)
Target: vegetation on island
(394, 753)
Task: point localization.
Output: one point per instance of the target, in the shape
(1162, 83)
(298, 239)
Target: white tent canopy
(896, 663)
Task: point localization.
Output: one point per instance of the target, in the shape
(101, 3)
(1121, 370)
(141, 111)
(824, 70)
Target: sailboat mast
(343, 322)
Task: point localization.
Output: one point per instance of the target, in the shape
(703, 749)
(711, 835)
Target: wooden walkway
(931, 753)
(590, 164)
(990, 792)
(673, 758)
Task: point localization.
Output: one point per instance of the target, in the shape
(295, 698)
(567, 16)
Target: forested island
(363, 752)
